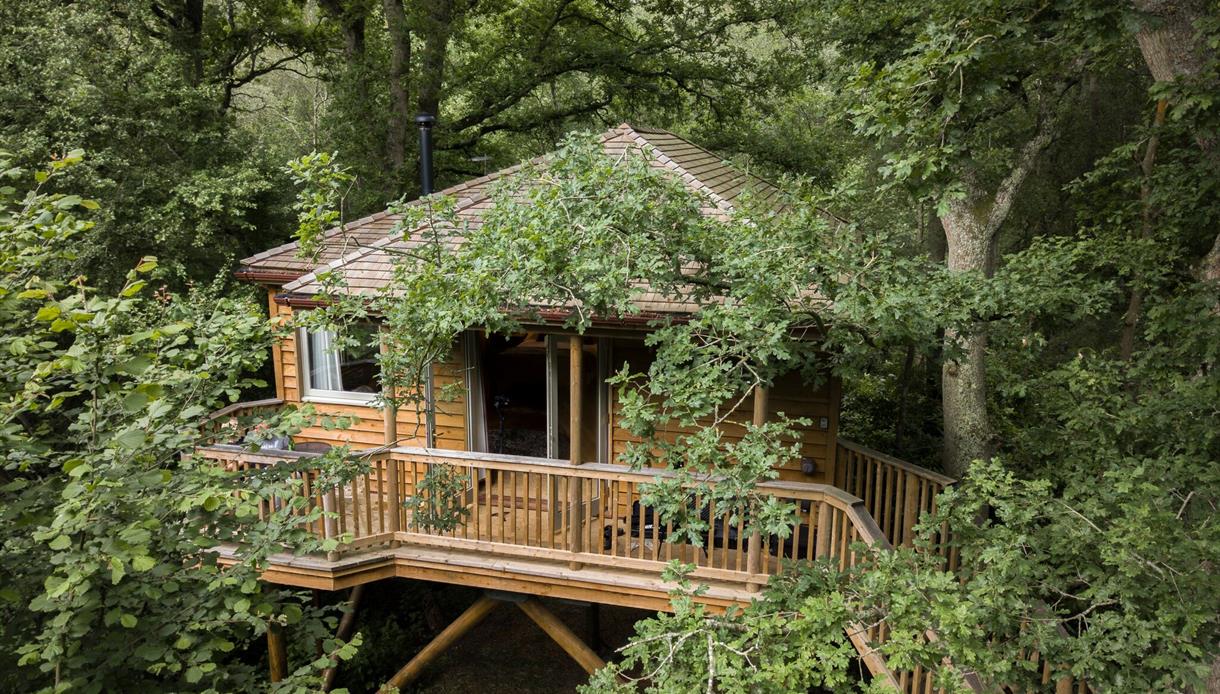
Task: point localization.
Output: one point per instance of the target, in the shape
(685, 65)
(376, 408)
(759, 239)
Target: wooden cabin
(531, 425)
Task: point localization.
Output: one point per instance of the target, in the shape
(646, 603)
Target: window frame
(320, 395)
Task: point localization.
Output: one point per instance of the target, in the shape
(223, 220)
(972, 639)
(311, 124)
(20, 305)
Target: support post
(823, 530)
(346, 624)
(754, 546)
(467, 621)
(391, 440)
(562, 635)
(575, 484)
(277, 652)
(330, 524)
(593, 625)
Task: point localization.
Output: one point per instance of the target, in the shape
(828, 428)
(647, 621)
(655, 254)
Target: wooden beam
(576, 350)
(562, 635)
(576, 354)
(391, 439)
(464, 623)
(277, 353)
(754, 545)
(346, 624)
(277, 652)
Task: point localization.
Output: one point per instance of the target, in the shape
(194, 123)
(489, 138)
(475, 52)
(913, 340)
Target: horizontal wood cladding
(367, 423)
(789, 396)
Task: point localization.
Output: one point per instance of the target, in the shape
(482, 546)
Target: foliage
(149, 88)
(791, 641)
(110, 575)
(439, 502)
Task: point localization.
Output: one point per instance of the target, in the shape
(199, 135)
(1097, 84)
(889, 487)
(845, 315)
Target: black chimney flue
(425, 121)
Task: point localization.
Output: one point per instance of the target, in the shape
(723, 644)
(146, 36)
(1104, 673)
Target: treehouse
(532, 430)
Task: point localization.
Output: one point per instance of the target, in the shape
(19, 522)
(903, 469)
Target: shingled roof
(355, 246)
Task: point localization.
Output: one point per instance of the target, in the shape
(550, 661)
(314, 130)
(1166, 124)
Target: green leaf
(128, 620)
(135, 401)
(143, 562)
(131, 438)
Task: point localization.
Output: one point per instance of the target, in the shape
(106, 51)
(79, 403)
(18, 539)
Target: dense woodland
(1014, 207)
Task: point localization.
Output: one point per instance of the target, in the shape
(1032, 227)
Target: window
(345, 373)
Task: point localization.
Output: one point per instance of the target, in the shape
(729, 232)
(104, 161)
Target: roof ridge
(690, 179)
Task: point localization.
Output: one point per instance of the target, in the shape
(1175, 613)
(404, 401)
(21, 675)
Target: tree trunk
(400, 66)
(351, 25)
(964, 376)
(1126, 345)
(1167, 37)
(436, 27)
(192, 16)
(972, 227)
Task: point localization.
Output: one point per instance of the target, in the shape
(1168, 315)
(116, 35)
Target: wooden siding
(368, 423)
(789, 396)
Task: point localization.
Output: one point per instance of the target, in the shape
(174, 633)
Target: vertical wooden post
(575, 485)
(277, 652)
(391, 440)
(277, 352)
(754, 548)
(593, 625)
(910, 508)
(823, 531)
(330, 525)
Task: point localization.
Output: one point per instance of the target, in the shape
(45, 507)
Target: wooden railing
(230, 424)
(518, 507)
(895, 493)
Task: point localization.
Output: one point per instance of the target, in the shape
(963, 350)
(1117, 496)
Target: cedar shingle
(367, 248)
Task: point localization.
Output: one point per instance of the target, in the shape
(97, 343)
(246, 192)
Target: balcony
(546, 527)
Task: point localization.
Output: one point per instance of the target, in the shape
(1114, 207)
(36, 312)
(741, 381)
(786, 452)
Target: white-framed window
(342, 374)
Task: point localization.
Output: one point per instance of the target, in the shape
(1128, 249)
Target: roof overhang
(272, 277)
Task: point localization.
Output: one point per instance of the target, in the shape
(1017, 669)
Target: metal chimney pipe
(425, 121)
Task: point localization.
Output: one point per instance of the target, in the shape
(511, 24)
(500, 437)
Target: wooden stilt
(593, 625)
(344, 632)
(464, 623)
(277, 652)
(562, 635)
(575, 496)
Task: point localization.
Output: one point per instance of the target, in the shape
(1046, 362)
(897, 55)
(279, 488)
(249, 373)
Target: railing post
(823, 530)
(754, 548)
(910, 507)
(330, 527)
(575, 484)
(391, 440)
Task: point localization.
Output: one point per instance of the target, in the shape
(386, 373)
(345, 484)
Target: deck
(546, 527)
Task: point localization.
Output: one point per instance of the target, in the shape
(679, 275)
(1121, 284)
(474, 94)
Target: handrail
(898, 462)
(228, 410)
(613, 471)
